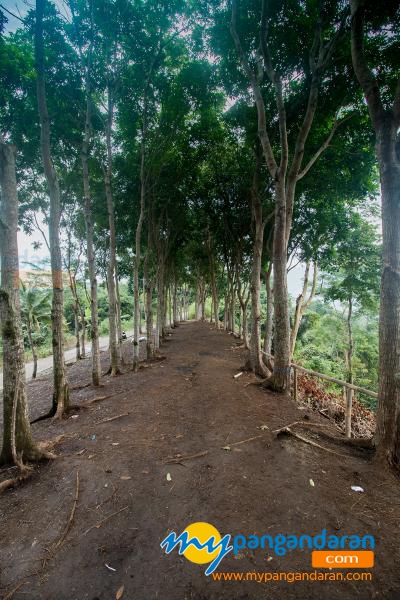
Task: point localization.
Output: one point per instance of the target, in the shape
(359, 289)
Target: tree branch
(276, 80)
(363, 73)
(262, 126)
(323, 146)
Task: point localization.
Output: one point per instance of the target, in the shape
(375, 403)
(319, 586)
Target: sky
(28, 255)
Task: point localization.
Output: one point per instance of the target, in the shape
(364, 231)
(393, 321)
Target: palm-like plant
(35, 314)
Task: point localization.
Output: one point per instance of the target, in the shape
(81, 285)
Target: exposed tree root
(287, 431)
(68, 526)
(302, 423)
(357, 443)
(49, 415)
(11, 483)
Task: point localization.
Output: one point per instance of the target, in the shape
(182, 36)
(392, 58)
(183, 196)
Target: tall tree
(61, 390)
(286, 171)
(382, 94)
(18, 444)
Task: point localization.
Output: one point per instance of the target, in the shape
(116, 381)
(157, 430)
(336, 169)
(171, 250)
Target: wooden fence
(348, 389)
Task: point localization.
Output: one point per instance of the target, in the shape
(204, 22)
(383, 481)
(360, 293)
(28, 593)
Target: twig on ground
(238, 375)
(181, 458)
(245, 441)
(101, 523)
(14, 590)
(111, 419)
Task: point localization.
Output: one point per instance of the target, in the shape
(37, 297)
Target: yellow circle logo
(203, 532)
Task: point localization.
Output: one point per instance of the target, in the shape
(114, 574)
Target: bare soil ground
(188, 404)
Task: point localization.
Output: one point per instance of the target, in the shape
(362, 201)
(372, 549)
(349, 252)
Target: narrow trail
(186, 405)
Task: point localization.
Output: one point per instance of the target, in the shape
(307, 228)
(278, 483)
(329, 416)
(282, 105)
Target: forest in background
(183, 156)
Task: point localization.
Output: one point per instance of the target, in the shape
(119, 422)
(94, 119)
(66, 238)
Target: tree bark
(17, 439)
(386, 122)
(256, 363)
(112, 297)
(61, 390)
(96, 367)
(269, 313)
(33, 349)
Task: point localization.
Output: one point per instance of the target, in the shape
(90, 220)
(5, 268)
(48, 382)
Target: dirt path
(187, 404)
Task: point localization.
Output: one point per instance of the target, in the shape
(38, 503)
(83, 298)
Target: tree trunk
(17, 439)
(386, 125)
(112, 311)
(160, 303)
(302, 303)
(118, 315)
(33, 348)
(94, 318)
(256, 363)
(175, 306)
(61, 391)
(280, 379)
(270, 311)
(77, 333)
(387, 436)
(138, 239)
(149, 308)
(214, 292)
(83, 333)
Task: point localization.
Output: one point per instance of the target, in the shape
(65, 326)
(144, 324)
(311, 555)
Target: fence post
(295, 383)
(349, 403)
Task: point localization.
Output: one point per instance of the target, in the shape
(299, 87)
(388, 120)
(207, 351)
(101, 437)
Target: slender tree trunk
(138, 239)
(77, 333)
(17, 439)
(94, 318)
(61, 391)
(269, 313)
(33, 349)
(302, 303)
(112, 311)
(215, 303)
(118, 315)
(149, 307)
(256, 363)
(160, 302)
(175, 306)
(83, 333)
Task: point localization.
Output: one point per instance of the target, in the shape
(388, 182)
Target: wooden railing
(348, 388)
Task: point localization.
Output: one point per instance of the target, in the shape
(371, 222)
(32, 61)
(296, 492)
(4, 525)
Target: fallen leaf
(110, 568)
(120, 593)
(263, 427)
(145, 472)
(226, 448)
(169, 478)
(312, 483)
(125, 477)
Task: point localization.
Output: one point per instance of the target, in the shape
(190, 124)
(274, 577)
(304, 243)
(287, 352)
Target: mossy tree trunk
(18, 444)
